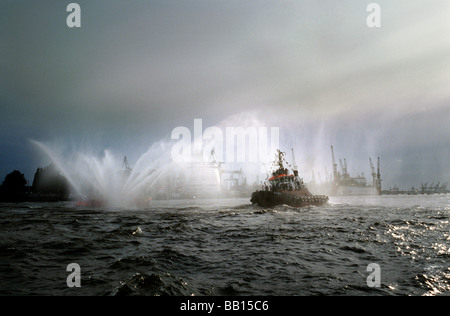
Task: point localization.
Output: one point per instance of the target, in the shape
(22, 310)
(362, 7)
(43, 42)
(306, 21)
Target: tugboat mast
(295, 165)
(280, 161)
(281, 169)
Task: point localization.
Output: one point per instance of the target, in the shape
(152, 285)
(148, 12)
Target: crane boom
(335, 172)
(342, 166)
(125, 163)
(378, 177)
(374, 175)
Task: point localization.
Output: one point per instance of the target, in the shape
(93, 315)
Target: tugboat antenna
(293, 159)
(295, 170)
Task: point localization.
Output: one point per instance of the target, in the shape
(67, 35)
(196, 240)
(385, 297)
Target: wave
(154, 284)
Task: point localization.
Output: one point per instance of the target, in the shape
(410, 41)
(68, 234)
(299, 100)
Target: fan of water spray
(108, 179)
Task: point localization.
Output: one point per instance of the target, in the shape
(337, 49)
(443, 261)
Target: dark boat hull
(272, 198)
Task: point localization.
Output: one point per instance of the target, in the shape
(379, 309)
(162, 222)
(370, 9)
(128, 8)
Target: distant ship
(284, 188)
(343, 184)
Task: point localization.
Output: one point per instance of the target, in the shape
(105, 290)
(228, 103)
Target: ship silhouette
(285, 188)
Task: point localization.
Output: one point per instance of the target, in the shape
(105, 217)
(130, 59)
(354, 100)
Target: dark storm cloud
(137, 69)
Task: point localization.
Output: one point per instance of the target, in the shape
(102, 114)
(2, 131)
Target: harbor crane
(335, 172)
(374, 175)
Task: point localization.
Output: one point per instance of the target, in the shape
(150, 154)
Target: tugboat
(286, 189)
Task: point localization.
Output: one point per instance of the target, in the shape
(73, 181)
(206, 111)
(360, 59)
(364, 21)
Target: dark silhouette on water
(49, 184)
(13, 187)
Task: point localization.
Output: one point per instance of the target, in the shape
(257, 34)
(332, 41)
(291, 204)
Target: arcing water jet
(106, 179)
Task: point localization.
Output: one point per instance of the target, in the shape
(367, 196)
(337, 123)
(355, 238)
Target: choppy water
(228, 247)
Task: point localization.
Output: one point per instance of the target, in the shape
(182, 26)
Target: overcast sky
(135, 70)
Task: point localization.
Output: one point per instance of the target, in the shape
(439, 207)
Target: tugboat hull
(270, 199)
